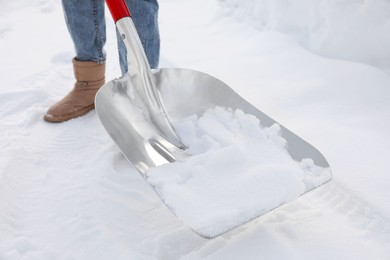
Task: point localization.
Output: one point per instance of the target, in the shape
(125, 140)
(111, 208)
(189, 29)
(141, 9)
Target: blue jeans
(87, 27)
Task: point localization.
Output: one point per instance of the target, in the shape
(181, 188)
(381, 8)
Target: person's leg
(87, 28)
(86, 25)
(145, 17)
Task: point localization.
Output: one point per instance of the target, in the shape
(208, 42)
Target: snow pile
(344, 29)
(237, 171)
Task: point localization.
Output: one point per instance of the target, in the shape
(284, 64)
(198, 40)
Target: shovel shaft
(140, 76)
(118, 9)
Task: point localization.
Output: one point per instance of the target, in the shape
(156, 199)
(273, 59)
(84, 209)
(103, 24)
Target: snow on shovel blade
(239, 163)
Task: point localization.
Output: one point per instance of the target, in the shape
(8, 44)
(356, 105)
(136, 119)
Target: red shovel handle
(118, 9)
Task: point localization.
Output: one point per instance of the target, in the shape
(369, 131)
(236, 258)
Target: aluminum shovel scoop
(137, 109)
(134, 109)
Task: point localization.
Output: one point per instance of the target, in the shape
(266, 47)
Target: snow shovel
(137, 110)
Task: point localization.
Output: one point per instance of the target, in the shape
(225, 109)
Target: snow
(66, 192)
(236, 171)
(346, 29)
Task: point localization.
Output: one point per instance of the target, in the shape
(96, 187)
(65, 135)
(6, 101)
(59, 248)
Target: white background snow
(321, 68)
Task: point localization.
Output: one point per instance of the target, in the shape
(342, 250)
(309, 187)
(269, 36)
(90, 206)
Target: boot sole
(66, 117)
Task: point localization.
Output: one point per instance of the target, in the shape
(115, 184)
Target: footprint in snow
(3, 31)
(358, 212)
(22, 247)
(62, 58)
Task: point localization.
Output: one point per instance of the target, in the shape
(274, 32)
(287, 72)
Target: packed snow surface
(236, 170)
(67, 193)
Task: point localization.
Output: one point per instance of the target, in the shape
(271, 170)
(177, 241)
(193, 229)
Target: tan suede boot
(89, 78)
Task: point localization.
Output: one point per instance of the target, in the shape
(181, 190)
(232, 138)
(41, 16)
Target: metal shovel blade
(138, 108)
(183, 92)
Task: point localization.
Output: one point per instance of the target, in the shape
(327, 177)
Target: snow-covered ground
(66, 192)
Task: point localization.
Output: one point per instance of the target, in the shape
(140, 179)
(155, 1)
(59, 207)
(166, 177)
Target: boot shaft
(88, 71)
